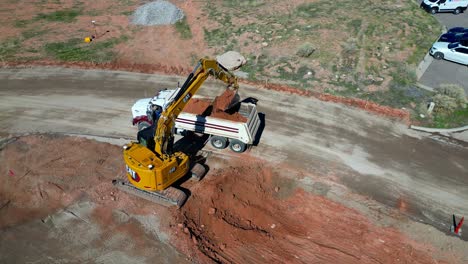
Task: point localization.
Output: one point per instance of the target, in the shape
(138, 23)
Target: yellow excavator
(151, 163)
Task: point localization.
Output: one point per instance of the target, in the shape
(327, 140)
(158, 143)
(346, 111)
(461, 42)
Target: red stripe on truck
(198, 123)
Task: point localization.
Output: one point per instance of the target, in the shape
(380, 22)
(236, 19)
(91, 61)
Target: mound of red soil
(218, 105)
(197, 106)
(43, 173)
(234, 217)
(223, 101)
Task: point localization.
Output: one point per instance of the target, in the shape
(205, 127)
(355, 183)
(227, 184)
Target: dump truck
(236, 129)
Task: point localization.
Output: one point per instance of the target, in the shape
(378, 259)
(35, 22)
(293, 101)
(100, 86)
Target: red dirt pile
(220, 103)
(43, 173)
(223, 101)
(197, 106)
(234, 217)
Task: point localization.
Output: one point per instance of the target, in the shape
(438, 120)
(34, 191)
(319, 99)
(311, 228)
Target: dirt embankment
(236, 217)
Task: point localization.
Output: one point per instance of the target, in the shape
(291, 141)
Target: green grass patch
(127, 13)
(255, 66)
(456, 119)
(77, 50)
(32, 33)
(183, 28)
(403, 74)
(66, 16)
(9, 48)
(22, 23)
(243, 3)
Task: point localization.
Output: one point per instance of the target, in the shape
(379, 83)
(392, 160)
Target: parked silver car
(450, 51)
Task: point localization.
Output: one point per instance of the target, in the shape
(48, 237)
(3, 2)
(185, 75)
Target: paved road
(450, 20)
(445, 72)
(371, 156)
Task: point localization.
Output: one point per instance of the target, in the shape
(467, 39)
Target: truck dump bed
(214, 124)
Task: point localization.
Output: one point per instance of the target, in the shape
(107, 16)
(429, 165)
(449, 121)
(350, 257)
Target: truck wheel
(457, 11)
(433, 11)
(237, 146)
(142, 125)
(218, 142)
(438, 55)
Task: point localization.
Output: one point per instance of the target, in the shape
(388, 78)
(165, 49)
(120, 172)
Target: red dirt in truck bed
(199, 106)
(223, 101)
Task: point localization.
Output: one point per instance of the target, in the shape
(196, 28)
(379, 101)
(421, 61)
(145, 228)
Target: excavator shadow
(192, 145)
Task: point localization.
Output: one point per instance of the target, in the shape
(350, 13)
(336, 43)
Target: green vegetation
(9, 48)
(450, 106)
(377, 28)
(450, 109)
(183, 28)
(76, 50)
(360, 45)
(456, 119)
(22, 23)
(32, 33)
(66, 16)
(305, 50)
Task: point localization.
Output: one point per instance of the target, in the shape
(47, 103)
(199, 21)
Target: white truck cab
(435, 6)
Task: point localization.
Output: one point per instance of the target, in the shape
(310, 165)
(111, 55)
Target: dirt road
(339, 150)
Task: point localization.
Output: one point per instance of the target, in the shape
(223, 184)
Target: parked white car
(436, 6)
(450, 51)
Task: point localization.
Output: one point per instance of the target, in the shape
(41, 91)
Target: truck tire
(438, 55)
(237, 146)
(433, 10)
(218, 142)
(457, 11)
(142, 125)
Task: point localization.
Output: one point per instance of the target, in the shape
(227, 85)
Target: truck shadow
(258, 136)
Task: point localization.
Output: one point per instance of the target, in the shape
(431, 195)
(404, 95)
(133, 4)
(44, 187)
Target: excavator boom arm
(164, 130)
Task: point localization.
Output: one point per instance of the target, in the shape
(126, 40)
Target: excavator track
(169, 197)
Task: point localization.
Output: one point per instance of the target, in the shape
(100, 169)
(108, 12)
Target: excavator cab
(146, 137)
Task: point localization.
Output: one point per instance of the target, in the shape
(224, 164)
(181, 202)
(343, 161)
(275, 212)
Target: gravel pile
(157, 13)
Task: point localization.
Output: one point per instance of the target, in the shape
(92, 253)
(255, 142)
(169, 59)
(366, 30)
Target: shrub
(444, 104)
(305, 50)
(454, 91)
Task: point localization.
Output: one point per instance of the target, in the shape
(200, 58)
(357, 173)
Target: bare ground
(234, 216)
(352, 163)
